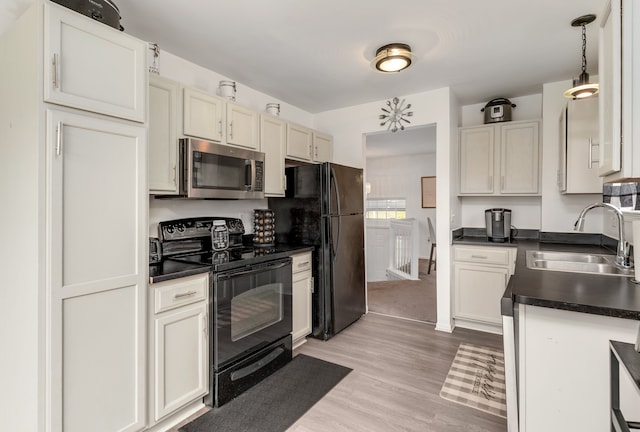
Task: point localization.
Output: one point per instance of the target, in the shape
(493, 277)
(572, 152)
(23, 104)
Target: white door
(322, 148)
(163, 135)
(202, 115)
(519, 158)
(97, 265)
(181, 341)
(273, 141)
(92, 66)
(476, 160)
(299, 142)
(242, 127)
(478, 290)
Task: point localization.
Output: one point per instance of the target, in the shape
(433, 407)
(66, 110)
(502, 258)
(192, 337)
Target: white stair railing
(403, 249)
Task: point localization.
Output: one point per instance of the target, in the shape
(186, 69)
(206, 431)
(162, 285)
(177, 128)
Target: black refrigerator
(323, 208)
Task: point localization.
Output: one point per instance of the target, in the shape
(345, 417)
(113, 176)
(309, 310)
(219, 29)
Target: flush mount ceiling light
(392, 58)
(582, 88)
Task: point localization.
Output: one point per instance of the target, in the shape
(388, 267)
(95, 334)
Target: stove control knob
(180, 228)
(169, 229)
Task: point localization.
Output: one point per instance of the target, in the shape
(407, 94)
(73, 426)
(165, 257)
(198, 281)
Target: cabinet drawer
(301, 262)
(171, 294)
(487, 255)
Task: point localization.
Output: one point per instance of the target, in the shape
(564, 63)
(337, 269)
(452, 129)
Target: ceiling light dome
(582, 88)
(392, 58)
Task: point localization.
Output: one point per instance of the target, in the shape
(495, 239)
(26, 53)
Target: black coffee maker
(498, 223)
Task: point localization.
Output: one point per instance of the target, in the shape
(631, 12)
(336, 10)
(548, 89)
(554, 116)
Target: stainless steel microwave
(215, 171)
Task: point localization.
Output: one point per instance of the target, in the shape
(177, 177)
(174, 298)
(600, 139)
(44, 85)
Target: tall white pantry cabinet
(74, 209)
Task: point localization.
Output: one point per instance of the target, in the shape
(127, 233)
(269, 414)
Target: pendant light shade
(392, 58)
(582, 88)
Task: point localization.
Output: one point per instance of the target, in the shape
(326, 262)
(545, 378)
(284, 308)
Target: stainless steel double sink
(576, 262)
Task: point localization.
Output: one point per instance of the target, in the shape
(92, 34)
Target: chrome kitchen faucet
(622, 254)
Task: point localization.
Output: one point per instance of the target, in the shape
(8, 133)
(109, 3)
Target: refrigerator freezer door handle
(335, 184)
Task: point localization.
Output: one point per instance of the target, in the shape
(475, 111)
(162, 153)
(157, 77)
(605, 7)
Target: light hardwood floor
(398, 369)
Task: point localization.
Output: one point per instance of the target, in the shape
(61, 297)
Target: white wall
(438, 107)
(399, 177)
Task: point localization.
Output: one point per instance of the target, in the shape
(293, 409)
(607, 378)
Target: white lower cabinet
(563, 370)
(481, 274)
(301, 302)
(178, 366)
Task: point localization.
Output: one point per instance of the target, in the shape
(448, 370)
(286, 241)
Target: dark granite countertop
(170, 269)
(614, 296)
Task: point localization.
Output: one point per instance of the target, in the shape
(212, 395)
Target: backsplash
(169, 209)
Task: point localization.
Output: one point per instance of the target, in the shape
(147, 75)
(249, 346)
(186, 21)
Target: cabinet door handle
(205, 329)
(231, 129)
(220, 128)
(186, 294)
(59, 139)
(55, 71)
(316, 152)
(591, 161)
(479, 256)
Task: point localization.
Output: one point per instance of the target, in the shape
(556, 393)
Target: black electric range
(187, 251)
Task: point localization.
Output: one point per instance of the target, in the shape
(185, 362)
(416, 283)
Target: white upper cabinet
(273, 142)
(500, 159)
(519, 158)
(299, 142)
(93, 67)
(322, 147)
(163, 135)
(618, 70)
(609, 71)
(476, 160)
(242, 127)
(578, 162)
(203, 115)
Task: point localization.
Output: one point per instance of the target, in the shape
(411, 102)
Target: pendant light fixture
(582, 88)
(392, 58)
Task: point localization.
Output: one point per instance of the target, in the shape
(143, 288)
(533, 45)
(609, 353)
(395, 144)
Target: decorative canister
(264, 228)
(273, 109)
(228, 90)
(219, 235)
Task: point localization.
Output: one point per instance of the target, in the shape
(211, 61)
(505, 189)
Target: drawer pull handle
(304, 264)
(183, 295)
(479, 256)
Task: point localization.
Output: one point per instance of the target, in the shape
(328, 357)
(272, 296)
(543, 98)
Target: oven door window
(252, 309)
(212, 171)
(256, 309)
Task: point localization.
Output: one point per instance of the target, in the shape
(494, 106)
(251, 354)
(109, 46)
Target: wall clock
(394, 114)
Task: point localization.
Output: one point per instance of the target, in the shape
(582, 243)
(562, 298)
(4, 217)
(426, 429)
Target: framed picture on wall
(428, 192)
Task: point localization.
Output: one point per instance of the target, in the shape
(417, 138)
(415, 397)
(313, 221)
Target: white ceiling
(315, 55)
